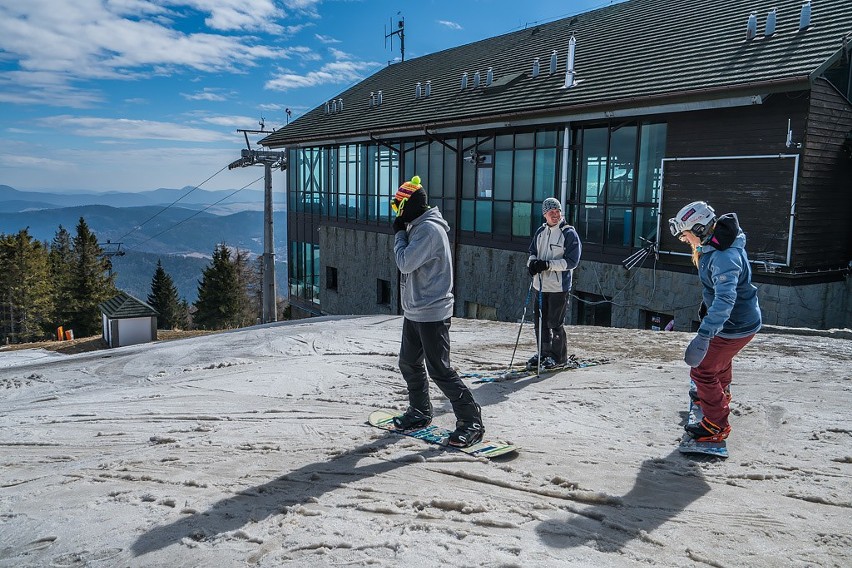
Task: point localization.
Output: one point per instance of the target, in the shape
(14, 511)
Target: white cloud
(27, 162)
(62, 42)
(207, 94)
(326, 39)
(449, 24)
(124, 128)
(244, 122)
(336, 72)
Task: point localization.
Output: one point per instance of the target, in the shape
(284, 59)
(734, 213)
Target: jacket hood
(431, 215)
(727, 233)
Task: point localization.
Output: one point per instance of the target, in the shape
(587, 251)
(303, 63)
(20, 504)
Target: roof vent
(569, 71)
(770, 23)
(489, 77)
(535, 67)
(372, 99)
(428, 89)
(333, 107)
(379, 98)
(464, 81)
(476, 80)
(553, 62)
(339, 105)
(327, 107)
(805, 16)
(751, 27)
(418, 90)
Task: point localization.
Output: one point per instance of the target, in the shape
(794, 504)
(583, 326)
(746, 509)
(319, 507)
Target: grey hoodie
(423, 257)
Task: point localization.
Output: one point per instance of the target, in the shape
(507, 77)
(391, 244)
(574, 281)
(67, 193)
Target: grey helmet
(697, 217)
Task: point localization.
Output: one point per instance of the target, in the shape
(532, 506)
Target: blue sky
(132, 95)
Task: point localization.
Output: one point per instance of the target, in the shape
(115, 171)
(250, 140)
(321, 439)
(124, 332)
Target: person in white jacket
(554, 254)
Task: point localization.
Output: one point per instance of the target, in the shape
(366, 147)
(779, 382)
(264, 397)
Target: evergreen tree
(61, 265)
(249, 283)
(25, 305)
(219, 294)
(91, 282)
(182, 320)
(164, 298)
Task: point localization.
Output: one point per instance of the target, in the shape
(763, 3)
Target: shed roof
(633, 54)
(125, 306)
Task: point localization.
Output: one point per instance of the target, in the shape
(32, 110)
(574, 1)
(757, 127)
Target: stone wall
(494, 284)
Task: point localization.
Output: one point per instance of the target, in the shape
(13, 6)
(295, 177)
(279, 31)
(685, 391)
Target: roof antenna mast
(400, 31)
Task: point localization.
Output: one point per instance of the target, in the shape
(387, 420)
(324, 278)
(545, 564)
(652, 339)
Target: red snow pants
(713, 376)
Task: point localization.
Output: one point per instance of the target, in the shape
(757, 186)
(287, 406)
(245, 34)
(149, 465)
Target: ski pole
(540, 330)
(523, 319)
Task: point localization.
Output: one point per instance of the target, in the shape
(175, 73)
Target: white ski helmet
(697, 217)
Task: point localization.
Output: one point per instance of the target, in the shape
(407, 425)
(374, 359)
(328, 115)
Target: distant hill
(183, 238)
(14, 201)
(135, 270)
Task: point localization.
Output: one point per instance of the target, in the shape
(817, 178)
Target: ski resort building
(625, 114)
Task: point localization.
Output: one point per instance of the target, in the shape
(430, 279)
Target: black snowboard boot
(469, 429)
(412, 419)
(532, 363)
(706, 431)
(466, 434)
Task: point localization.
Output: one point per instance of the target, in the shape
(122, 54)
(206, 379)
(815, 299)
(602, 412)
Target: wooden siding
(823, 235)
(758, 190)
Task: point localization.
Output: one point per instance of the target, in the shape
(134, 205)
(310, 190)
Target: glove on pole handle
(523, 319)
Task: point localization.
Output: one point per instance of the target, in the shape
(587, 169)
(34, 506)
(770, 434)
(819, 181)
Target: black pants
(554, 343)
(429, 342)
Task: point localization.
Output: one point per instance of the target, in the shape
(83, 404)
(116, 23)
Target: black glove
(702, 311)
(537, 266)
(398, 225)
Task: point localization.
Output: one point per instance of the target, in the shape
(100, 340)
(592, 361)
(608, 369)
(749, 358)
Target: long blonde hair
(696, 254)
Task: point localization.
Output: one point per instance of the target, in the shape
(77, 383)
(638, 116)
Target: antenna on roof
(400, 31)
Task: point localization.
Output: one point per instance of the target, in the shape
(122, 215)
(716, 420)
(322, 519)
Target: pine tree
(249, 283)
(61, 264)
(91, 282)
(164, 298)
(25, 306)
(219, 294)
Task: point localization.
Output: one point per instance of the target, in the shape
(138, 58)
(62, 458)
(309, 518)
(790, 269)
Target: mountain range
(137, 229)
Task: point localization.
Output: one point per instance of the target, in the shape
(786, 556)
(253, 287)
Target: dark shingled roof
(126, 306)
(637, 53)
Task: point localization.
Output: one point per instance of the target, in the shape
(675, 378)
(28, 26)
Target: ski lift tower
(268, 160)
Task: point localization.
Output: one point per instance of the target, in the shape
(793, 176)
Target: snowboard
(521, 373)
(436, 435)
(688, 445)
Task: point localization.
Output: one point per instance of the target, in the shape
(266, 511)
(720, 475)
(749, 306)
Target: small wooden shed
(128, 321)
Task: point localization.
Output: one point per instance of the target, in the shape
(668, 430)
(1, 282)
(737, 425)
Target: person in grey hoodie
(732, 315)
(422, 252)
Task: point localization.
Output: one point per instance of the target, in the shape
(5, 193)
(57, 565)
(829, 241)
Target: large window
(616, 186)
(304, 267)
(504, 180)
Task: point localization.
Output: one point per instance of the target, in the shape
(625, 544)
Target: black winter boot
(469, 429)
(412, 419)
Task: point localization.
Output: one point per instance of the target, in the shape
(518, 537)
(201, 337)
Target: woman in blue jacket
(733, 314)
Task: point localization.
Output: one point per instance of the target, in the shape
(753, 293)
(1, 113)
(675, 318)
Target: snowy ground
(250, 448)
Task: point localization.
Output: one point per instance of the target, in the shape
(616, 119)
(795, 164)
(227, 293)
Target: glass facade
(489, 185)
(617, 183)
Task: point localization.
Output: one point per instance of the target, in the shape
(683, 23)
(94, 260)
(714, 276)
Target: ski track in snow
(250, 448)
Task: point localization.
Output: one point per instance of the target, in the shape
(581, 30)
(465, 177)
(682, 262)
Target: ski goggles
(675, 227)
(398, 205)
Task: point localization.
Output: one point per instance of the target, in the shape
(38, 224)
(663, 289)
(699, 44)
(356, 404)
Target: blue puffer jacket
(730, 297)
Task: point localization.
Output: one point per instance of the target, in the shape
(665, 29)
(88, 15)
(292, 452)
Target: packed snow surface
(251, 448)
